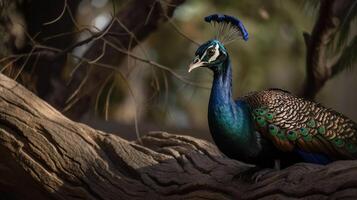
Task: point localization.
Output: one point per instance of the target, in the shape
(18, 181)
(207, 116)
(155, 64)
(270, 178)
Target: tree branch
(44, 155)
(316, 58)
(318, 71)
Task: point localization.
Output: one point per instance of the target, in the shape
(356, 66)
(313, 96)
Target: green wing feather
(292, 122)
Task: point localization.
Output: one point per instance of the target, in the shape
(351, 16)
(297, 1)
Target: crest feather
(228, 28)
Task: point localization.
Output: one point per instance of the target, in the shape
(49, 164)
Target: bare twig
(153, 63)
(59, 16)
(24, 64)
(100, 93)
(178, 30)
(9, 64)
(107, 100)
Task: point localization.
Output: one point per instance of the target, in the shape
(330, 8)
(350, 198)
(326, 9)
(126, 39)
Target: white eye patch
(215, 55)
(204, 54)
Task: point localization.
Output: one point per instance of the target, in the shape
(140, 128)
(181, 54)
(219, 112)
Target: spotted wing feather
(291, 122)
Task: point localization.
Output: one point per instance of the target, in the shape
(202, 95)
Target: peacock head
(213, 54)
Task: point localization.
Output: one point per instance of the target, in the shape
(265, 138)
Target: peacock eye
(211, 51)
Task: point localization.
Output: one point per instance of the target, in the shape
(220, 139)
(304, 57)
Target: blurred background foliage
(273, 57)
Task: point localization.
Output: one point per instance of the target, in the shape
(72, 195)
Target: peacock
(272, 125)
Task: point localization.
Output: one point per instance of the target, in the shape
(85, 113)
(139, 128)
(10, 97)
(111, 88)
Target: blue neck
(229, 120)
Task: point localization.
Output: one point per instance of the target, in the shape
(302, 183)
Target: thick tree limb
(44, 155)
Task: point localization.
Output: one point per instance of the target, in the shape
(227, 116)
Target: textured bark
(44, 155)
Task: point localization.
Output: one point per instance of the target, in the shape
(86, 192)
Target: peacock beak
(196, 63)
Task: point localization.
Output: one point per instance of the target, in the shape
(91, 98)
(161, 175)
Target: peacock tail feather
(294, 123)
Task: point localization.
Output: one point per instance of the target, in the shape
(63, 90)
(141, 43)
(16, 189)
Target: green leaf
(347, 59)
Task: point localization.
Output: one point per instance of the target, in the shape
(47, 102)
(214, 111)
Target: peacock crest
(227, 28)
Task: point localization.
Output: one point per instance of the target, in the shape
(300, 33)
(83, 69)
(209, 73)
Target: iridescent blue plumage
(272, 124)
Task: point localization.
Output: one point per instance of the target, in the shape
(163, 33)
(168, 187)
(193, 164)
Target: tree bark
(44, 155)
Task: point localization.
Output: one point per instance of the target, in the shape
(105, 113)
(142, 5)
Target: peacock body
(269, 125)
